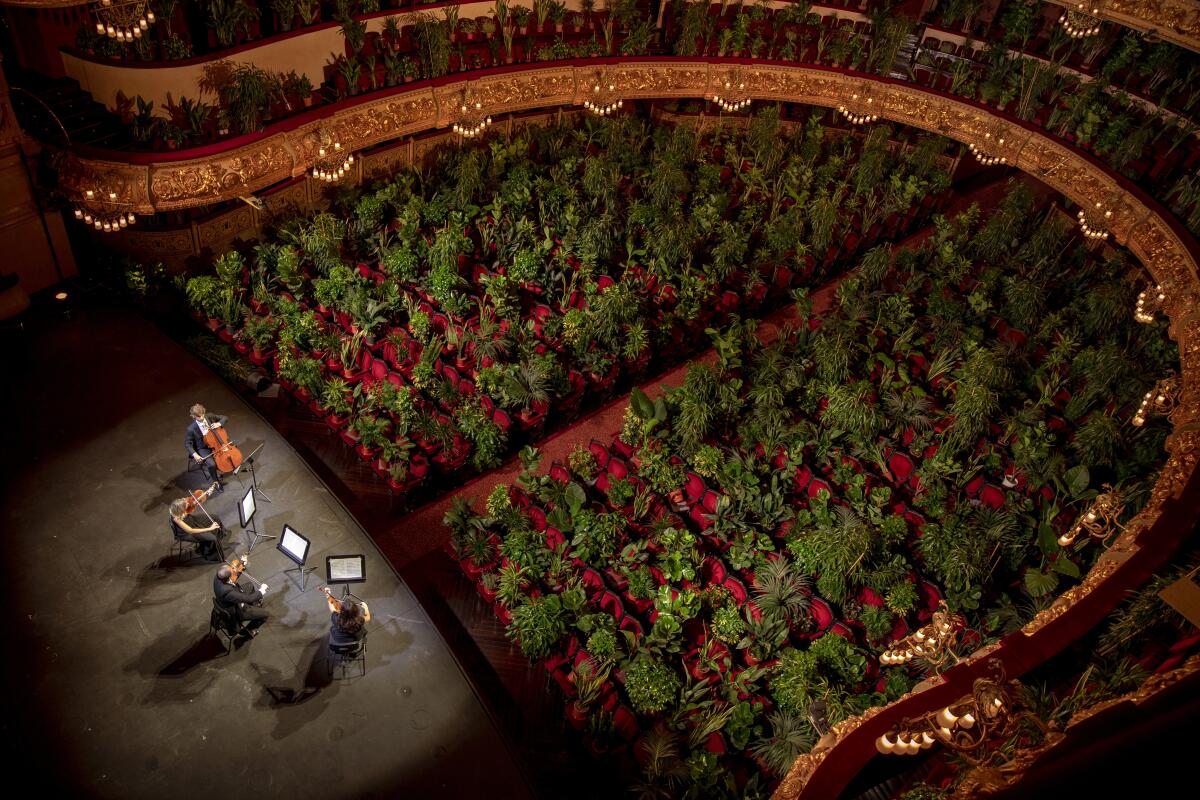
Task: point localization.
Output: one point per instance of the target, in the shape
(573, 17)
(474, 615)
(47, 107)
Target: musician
(207, 536)
(246, 605)
(348, 619)
(193, 440)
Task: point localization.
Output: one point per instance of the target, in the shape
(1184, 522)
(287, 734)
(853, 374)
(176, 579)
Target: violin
(239, 565)
(334, 604)
(197, 497)
(224, 454)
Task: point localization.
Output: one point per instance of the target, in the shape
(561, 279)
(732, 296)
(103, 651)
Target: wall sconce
(967, 726)
(933, 642)
(1100, 520)
(1149, 303)
(1160, 400)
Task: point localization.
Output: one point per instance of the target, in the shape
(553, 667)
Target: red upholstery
(816, 486)
(822, 614)
(901, 466)
(736, 589)
(992, 496)
(600, 452)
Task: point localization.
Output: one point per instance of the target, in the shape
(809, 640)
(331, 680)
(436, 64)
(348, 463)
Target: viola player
(202, 422)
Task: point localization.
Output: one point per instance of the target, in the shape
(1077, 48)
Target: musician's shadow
(164, 572)
(166, 477)
(295, 707)
(175, 678)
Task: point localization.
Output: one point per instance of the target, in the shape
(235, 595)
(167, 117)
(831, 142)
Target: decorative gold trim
(986, 780)
(1176, 21)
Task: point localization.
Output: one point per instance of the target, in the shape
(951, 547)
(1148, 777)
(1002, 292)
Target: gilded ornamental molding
(1176, 21)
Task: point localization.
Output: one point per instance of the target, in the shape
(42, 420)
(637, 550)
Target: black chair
(339, 655)
(185, 547)
(184, 550)
(226, 624)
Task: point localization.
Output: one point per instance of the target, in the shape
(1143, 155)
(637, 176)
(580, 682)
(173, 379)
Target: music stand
(247, 507)
(346, 569)
(248, 465)
(296, 546)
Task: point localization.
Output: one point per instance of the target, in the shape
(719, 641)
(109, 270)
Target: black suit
(193, 441)
(231, 597)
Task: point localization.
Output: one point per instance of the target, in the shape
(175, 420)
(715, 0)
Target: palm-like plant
(790, 736)
(907, 410)
(779, 591)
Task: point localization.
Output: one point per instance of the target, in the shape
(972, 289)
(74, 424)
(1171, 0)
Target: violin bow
(222, 448)
(245, 563)
(200, 503)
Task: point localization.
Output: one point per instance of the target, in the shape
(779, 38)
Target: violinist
(245, 604)
(202, 422)
(348, 619)
(207, 536)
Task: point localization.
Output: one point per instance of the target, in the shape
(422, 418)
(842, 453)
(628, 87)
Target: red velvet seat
(822, 614)
(736, 588)
(992, 496)
(818, 485)
(537, 518)
(611, 603)
(693, 488)
(625, 723)
(901, 467)
(600, 452)
(630, 624)
(593, 582)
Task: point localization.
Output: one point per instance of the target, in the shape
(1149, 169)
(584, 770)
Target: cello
(225, 454)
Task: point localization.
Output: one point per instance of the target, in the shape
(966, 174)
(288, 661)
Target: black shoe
(220, 488)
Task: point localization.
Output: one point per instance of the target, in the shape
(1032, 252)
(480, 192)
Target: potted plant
(538, 624)
(285, 13)
(558, 14)
(392, 452)
(590, 679)
(351, 347)
(309, 11)
(226, 18)
(652, 686)
(337, 399)
(370, 432)
(204, 294)
(305, 375)
(259, 333)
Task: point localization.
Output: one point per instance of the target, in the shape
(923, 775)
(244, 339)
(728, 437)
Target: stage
(115, 688)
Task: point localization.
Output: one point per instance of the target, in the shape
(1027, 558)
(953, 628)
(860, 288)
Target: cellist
(197, 450)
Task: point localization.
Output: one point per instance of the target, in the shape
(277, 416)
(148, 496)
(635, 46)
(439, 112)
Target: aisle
(115, 688)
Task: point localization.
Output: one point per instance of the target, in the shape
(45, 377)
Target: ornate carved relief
(1175, 20)
(209, 180)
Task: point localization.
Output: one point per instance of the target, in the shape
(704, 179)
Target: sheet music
(345, 569)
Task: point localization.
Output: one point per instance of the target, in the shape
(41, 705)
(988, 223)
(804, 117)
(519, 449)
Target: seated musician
(207, 536)
(348, 620)
(245, 605)
(193, 440)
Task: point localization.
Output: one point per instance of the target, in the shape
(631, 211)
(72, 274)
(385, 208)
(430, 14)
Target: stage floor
(114, 687)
